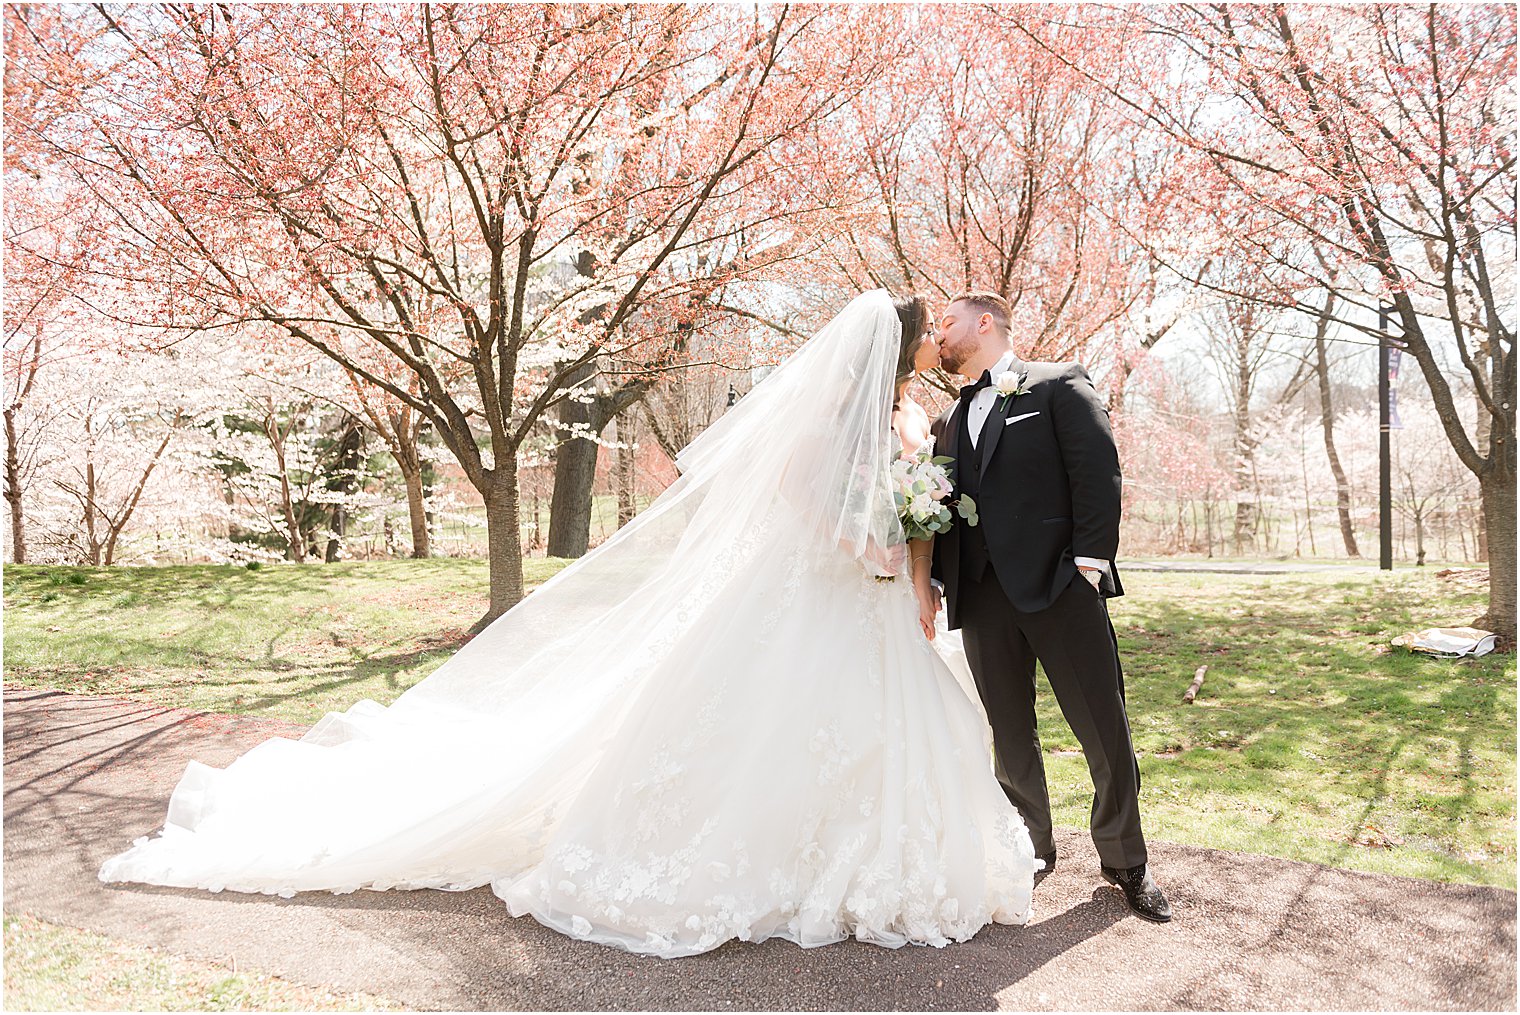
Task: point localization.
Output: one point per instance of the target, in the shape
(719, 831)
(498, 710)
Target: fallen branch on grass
(1192, 692)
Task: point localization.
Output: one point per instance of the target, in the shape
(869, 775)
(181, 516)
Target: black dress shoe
(1050, 864)
(1142, 893)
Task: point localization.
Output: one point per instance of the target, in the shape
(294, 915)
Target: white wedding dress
(717, 725)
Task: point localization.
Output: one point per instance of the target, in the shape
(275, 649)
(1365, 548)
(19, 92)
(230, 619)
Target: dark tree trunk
(570, 505)
(350, 449)
(20, 391)
(575, 463)
(574, 473)
(504, 535)
(1498, 491)
(13, 488)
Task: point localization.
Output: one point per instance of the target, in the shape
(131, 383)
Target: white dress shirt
(982, 401)
(976, 417)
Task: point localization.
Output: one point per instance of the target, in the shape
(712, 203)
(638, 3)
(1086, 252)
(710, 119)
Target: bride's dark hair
(913, 312)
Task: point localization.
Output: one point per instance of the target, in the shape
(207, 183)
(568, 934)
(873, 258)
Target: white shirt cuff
(1101, 565)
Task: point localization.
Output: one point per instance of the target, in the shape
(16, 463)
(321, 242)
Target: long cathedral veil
(804, 457)
(474, 762)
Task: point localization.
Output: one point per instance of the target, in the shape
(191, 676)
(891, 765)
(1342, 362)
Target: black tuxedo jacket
(1050, 488)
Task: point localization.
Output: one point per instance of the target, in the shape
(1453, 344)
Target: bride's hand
(928, 607)
(884, 561)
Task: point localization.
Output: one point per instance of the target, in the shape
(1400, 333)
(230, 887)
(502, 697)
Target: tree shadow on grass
(1364, 710)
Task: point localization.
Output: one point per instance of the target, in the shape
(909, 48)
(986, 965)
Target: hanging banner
(1395, 357)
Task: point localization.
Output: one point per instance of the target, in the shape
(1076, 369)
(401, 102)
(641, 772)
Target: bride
(720, 724)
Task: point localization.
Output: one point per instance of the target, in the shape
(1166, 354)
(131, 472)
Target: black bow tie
(970, 390)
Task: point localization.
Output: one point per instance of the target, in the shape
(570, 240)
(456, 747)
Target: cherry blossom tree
(48, 236)
(494, 196)
(1383, 134)
(111, 421)
(991, 165)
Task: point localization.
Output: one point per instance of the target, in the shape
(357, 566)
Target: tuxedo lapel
(952, 434)
(993, 431)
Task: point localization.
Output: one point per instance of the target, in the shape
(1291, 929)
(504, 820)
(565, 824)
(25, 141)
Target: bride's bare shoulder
(911, 423)
(907, 409)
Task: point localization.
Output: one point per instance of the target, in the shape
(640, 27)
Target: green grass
(1310, 740)
(53, 968)
(291, 641)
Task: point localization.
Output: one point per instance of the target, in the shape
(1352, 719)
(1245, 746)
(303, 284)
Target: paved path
(85, 775)
(1251, 567)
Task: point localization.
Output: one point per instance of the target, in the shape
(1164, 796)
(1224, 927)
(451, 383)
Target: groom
(1033, 449)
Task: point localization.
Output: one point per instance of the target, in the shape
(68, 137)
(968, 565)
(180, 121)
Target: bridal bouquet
(920, 485)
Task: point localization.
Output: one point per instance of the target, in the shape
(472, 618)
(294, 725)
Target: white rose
(923, 505)
(1007, 382)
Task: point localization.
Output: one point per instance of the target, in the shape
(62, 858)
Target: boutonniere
(1010, 385)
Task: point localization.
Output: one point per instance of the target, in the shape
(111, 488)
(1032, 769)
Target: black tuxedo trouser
(1074, 641)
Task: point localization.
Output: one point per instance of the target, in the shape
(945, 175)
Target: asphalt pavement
(86, 775)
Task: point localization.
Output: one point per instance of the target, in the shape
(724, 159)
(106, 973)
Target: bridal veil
(477, 761)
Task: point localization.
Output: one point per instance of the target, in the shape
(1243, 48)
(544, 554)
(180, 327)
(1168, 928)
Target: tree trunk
(13, 488)
(429, 474)
(570, 504)
(1497, 486)
(1244, 520)
(410, 463)
(350, 448)
(416, 508)
(117, 526)
(1244, 515)
(1327, 421)
(574, 473)
(626, 504)
(575, 462)
(19, 392)
(504, 535)
(89, 496)
(295, 542)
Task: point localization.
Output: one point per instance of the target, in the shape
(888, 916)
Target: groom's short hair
(989, 303)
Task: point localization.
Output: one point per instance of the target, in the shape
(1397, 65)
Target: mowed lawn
(1311, 739)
